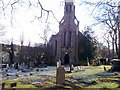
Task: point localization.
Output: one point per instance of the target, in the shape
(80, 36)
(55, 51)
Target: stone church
(64, 45)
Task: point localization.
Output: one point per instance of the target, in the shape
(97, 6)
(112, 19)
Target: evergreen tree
(87, 47)
(11, 54)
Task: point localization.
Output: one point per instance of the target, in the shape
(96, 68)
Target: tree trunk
(113, 44)
(118, 53)
(118, 44)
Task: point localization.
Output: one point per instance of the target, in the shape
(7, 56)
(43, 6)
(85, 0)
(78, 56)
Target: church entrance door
(66, 59)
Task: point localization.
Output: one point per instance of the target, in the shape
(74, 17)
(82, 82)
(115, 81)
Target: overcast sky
(23, 17)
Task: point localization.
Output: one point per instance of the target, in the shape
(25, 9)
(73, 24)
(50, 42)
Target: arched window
(55, 47)
(70, 8)
(69, 40)
(64, 42)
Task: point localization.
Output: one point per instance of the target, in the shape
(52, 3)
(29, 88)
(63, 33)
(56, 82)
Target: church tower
(65, 42)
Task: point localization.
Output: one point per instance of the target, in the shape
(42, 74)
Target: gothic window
(55, 47)
(70, 8)
(70, 34)
(64, 42)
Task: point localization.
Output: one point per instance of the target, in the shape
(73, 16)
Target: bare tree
(110, 20)
(118, 28)
(22, 39)
(21, 48)
(46, 31)
(11, 53)
(107, 13)
(107, 40)
(103, 51)
(10, 6)
(2, 31)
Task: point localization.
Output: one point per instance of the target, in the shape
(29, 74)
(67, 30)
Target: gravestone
(13, 84)
(115, 65)
(71, 67)
(26, 70)
(58, 63)
(104, 68)
(11, 74)
(6, 70)
(31, 74)
(7, 65)
(37, 80)
(37, 69)
(16, 66)
(3, 85)
(60, 75)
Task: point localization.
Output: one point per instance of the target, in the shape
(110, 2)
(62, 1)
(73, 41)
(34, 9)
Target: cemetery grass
(85, 77)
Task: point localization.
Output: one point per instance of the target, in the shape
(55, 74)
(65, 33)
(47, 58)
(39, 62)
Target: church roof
(52, 37)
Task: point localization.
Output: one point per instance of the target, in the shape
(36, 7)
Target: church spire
(69, 6)
(69, 13)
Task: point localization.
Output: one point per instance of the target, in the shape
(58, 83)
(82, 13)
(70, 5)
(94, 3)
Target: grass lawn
(86, 77)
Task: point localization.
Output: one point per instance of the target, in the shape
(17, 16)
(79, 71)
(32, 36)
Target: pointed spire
(69, 6)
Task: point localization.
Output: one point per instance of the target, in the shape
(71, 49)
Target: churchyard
(43, 54)
(45, 78)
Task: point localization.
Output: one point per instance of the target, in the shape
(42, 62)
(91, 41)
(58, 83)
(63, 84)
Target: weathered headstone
(115, 65)
(71, 67)
(37, 69)
(16, 66)
(3, 85)
(7, 65)
(88, 63)
(37, 80)
(60, 75)
(104, 68)
(31, 74)
(11, 74)
(58, 63)
(26, 70)
(13, 84)
(6, 70)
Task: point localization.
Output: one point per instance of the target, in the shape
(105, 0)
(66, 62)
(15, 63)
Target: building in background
(64, 45)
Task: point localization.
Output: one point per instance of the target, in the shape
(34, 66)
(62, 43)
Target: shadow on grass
(93, 79)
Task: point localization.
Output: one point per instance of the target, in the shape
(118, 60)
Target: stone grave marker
(115, 65)
(58, 63)
(13, 84)
(104, 68)
(71, 67)
(37, 69)
(37, 80)
(11, 74)
(60, 75)
(3, 85)
(6, 70)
